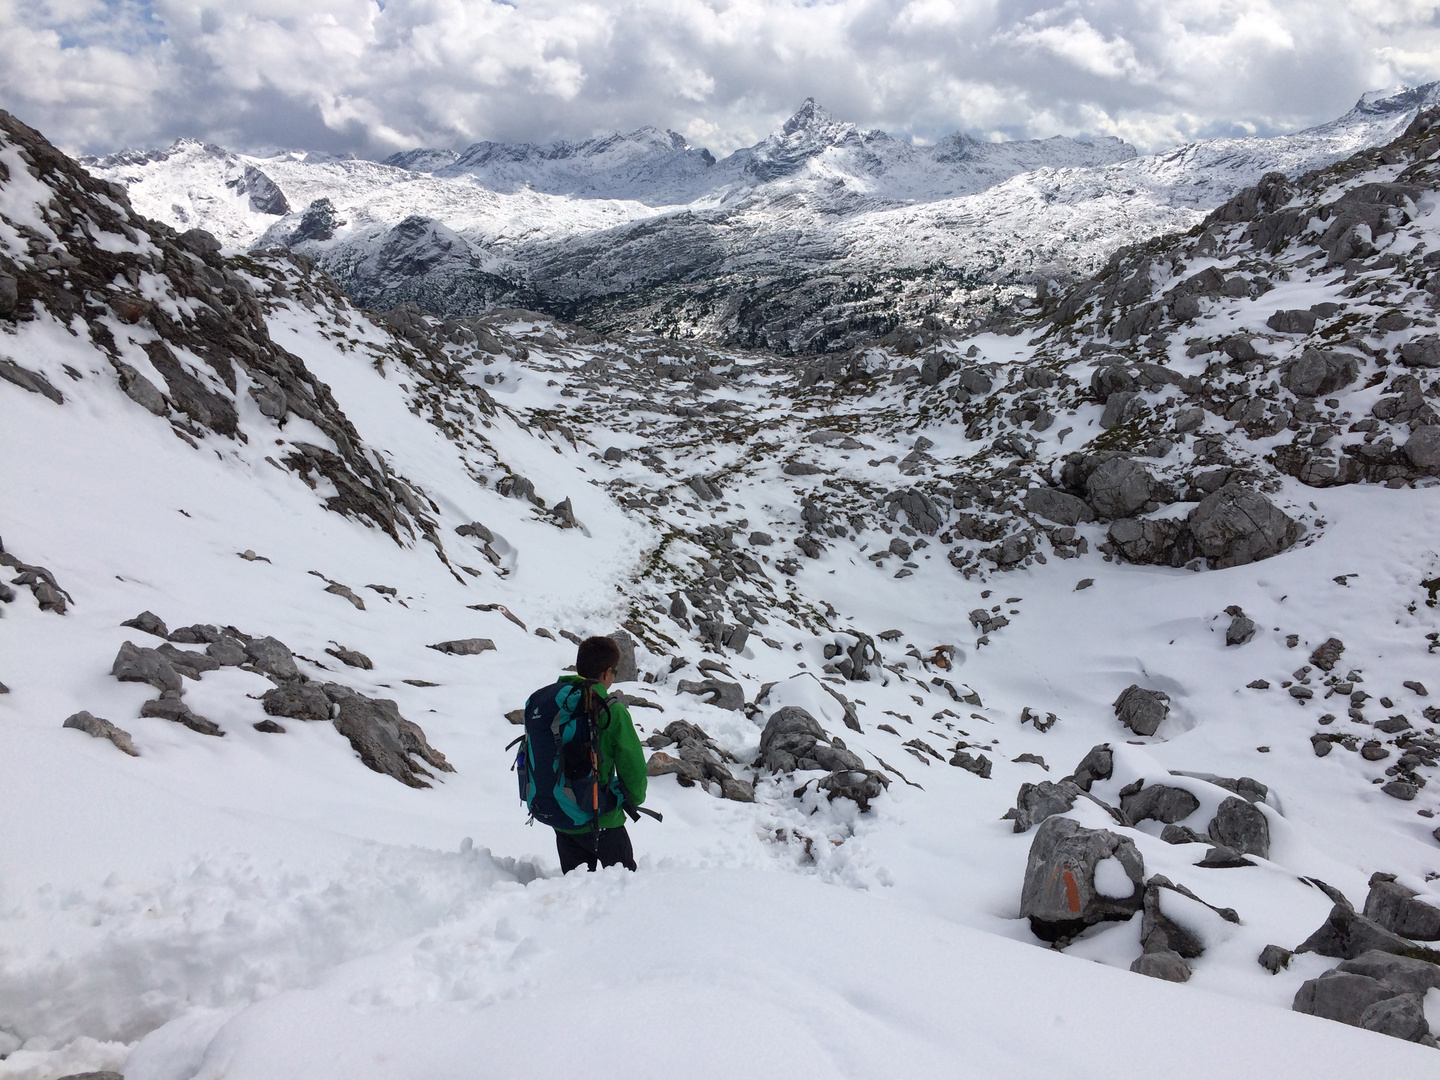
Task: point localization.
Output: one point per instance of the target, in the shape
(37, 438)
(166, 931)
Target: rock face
(1142, 710)
(1061, 895)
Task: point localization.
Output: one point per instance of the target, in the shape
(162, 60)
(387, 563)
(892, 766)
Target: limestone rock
(147, 622)
(135, 664)
(1036, 802)
(300, 701)
(1162, 964)
(1239, 824)
(1119, 488)
(1159, 802)
(627, 670)
(1346, 934)
(717, 692)
(1098, 764)
(1060, 897)
(271, 657)
(1058, 506)
(101, 728)
(1396, 908)
(385, 740)
(1236, 526)
(1142, 710)
(464, 646)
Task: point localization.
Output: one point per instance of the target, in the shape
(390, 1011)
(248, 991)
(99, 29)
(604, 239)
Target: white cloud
(356, 75)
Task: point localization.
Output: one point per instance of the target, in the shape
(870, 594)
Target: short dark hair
(596, 656)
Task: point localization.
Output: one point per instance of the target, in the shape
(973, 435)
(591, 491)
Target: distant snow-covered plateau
(1024, 558)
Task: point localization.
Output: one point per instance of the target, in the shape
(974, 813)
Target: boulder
(177, 712)
(1240, 630)
(100, 728)
(1119, 488)
(351, 658)
(1098, 764)
(1036, 802)
(921, 512)
(464, 646)
(1164, 964)
(271, 657)
(627, 670)
(1319, 373)
(147, 622)
(1241, 825)
(1292, 321)
(1159, 802)
(790, 735)
(1236, 526)
(1122, 407)
(1327, 654)
(1342, 996)
(1421, 352)
(858, 785)
(717, 692)
(1403, 974)
(1399, 909)
(385, 740)
(1055, 505)
(227, 652)
(1422, 448)
(1346, 934)
(1061, 895)
(1402, 1016)
(978, 764)
(298, 701)
(135, 664)
(1142, 710)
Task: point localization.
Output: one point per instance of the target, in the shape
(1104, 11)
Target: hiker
(581, 766)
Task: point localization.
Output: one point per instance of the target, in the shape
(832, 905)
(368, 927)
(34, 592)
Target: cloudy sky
(373, 76)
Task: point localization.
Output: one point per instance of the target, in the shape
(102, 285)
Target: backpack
(559, 755)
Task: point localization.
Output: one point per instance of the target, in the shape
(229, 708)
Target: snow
(1111, 879)
(263, 906)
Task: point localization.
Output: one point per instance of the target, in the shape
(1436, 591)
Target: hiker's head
(595, 657)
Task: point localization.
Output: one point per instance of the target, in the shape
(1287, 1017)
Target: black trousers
(578, 848)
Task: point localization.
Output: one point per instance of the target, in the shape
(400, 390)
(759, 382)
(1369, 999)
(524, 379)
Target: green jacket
(619, 751)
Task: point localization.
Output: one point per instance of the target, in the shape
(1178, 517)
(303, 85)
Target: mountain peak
(811, 114)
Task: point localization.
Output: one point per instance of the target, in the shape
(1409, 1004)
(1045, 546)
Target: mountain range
(821, 237)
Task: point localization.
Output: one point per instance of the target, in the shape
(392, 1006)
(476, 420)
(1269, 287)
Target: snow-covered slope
(878, 539)
(813, 240)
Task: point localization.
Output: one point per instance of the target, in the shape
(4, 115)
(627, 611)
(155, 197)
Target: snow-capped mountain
(818, 238)
(992, 684)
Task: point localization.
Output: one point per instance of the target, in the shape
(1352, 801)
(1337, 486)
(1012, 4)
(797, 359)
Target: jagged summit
(810, 114)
